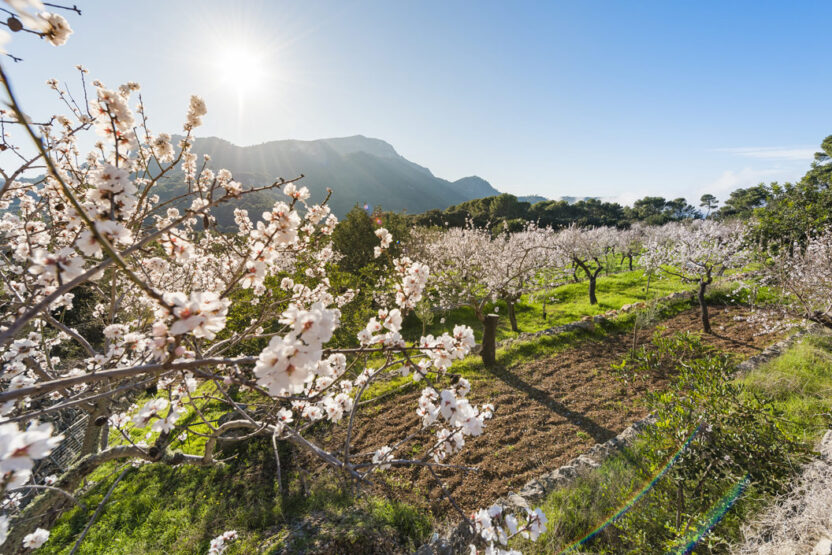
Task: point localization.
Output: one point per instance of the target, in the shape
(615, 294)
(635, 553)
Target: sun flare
(241, 68)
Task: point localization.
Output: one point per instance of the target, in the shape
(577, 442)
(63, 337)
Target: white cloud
(730, 180)
(773, 152)
(627, 198)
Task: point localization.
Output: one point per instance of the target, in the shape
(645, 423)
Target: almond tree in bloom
(804, 278)
(159, 281)
(472, 269)
(587, 248)
(523, 263)
(697, 252)
(630, 242)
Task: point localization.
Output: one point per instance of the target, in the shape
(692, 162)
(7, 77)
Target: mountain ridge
(360, 170)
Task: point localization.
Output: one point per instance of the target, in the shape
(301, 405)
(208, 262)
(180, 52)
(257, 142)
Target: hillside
(360, 170)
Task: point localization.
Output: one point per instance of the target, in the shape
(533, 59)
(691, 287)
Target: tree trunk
(593, 277)
(512, 316)
(630, 260)
(592, 298)
(821, 318)
(92, 433)
(489, 340)
(285, 463)
(706, 323)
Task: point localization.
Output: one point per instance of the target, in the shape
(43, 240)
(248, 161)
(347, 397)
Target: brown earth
(547, 413)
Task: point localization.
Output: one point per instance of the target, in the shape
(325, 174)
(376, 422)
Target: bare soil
(547, 413)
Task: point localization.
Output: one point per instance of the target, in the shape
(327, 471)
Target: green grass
(577, 509)
(569, 303)
(800, 384)
(160, 509)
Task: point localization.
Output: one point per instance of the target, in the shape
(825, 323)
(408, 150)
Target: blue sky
(611, 99)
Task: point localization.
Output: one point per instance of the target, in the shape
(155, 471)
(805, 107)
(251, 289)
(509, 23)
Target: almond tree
(160, 281)
(697, 252)
(587, 249)
(472, 269)
(804, 279)
(523, 263)
(630, 242)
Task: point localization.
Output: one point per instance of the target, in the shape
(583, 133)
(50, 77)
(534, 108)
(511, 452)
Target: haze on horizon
(558, 99)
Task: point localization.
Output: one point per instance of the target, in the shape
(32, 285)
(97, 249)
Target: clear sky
(583, 98)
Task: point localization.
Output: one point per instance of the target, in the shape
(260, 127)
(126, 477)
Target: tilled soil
(547, 413)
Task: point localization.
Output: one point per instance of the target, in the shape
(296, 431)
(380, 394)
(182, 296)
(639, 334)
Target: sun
(241, 68)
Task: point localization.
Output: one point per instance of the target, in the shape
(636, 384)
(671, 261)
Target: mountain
(360, 170)
(475, 187)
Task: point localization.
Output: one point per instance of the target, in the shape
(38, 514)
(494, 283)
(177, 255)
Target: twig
(52, 488)
(98, 510)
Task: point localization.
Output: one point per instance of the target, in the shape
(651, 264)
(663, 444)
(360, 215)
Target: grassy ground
(179, 510)
(160, 509)
(800, 385)
(800, 382)
(567, 303)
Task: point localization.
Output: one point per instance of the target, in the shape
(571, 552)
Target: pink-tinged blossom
(63, 264)
(36, 539)
(221, 542)
(196, 109)
(151, 409)
(382, 456)
(202, 314)
(18, 449)
(56, 28)
(296, 193)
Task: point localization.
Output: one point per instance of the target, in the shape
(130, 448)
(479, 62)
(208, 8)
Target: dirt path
(547, 412)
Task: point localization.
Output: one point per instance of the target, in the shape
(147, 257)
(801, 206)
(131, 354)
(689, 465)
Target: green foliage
(589, 212)
(354, 237)
(743, 202)
(664, 354)
(724, 436)
(795, 212)
(507, 212)
(708, 202)
(483, 212)
(658, 210)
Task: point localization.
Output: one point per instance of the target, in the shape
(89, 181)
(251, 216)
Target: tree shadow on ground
(599, 433)
(733, 341)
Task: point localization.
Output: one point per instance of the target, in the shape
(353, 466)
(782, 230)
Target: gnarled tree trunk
(592, 298)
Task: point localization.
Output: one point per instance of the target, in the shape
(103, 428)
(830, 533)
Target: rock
(826, 446)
